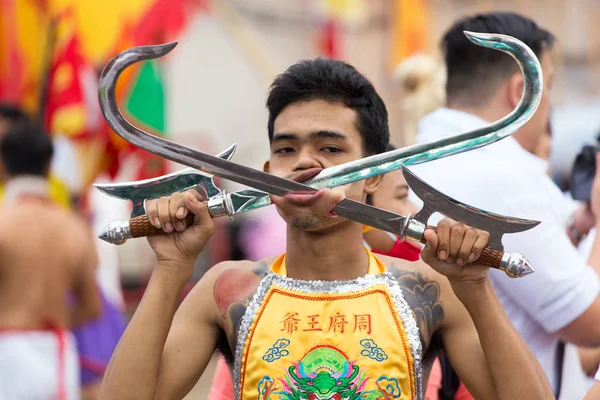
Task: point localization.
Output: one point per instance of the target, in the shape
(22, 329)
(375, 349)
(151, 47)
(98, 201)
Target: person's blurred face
(392, 194)
(543, 148)
(529, 135)
(308, 137)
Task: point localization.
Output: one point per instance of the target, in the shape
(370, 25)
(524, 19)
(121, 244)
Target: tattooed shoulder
(423, 296)
(233, 290)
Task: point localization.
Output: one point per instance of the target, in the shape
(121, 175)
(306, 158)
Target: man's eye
(284, 150)
(329, 149)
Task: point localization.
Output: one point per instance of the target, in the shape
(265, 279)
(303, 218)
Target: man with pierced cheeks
(327, 319)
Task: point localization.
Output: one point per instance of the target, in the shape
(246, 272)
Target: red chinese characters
(338, 323)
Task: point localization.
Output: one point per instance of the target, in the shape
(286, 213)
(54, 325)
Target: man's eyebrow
(321, 134)
(403, 186)
(284, 136)
(327, 134)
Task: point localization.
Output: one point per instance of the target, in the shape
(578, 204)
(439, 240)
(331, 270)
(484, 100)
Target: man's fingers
(466, 247)
(151, 207)
(164, 216)
(431, 238)
(482, 241)
(457, 234)
(203, 223)
(443, 238)
(177, 208)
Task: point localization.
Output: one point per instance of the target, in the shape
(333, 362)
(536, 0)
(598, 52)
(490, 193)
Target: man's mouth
(304, 175)
(303, 198)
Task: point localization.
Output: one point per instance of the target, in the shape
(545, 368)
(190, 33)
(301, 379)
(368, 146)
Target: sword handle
(514, 265)
(140, 226)
(117, 232)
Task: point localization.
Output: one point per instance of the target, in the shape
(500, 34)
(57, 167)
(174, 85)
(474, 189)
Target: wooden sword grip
(140, 226)
(489, 257)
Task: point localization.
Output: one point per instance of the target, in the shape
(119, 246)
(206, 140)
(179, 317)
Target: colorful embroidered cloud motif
(389, 386)
(372, 351)
(277, 351)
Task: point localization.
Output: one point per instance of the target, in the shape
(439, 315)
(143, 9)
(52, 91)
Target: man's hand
(454, 249)
(181, 244)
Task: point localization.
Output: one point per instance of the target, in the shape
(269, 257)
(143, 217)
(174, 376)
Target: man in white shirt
(560, 302)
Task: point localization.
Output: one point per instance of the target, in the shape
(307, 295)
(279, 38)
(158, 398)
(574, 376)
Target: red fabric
(164, 20)
(402, 249)
(62, 384)
(222, 386)
(435, 384)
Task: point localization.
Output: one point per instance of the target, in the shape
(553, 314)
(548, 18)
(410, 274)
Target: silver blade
(339, 175)
(248, 200)
(195, 159)
(170, 150)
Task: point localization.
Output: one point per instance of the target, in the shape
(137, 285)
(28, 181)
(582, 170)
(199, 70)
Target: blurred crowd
(61, 288)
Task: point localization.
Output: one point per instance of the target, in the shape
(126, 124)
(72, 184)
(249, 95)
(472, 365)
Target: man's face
(308, 137)
(534, 130)
(392, 194)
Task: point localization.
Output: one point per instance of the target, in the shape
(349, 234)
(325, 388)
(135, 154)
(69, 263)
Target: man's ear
(515, 89)
(372, 184)
(266, 166)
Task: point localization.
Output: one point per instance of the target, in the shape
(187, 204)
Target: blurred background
(209, 92)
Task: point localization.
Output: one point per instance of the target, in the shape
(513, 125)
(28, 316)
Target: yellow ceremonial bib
(335, 340)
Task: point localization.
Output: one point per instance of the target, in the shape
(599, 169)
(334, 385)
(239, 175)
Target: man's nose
(306, 160)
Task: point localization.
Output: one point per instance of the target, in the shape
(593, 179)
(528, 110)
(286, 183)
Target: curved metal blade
(436, 201)
(164, 185)
(433, 150)
(170, 150)
(360, 169)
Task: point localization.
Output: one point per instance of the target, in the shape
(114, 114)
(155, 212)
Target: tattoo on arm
(233, 291)
(423, 297)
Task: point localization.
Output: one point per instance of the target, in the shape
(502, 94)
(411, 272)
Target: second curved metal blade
(435, 201)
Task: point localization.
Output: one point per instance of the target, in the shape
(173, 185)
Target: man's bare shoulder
(230, 285)
(235, 282)
(426, 292)
(54, 220)
(399, 268)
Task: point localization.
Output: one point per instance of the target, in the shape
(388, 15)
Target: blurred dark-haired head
(335, 82)
(475, 72)
(488, 83)
(11, 115)
(26, 150)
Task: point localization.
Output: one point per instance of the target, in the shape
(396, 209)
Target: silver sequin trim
(327, 287)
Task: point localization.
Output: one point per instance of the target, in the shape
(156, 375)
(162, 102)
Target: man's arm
(504, 368)
(485, 350)
(165, 350)
(149, 362)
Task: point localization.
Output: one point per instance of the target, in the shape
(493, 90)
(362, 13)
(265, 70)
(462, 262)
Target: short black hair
(336, 82)
(474, 72)
(26, 150)
(369, 199)
(13, 113)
